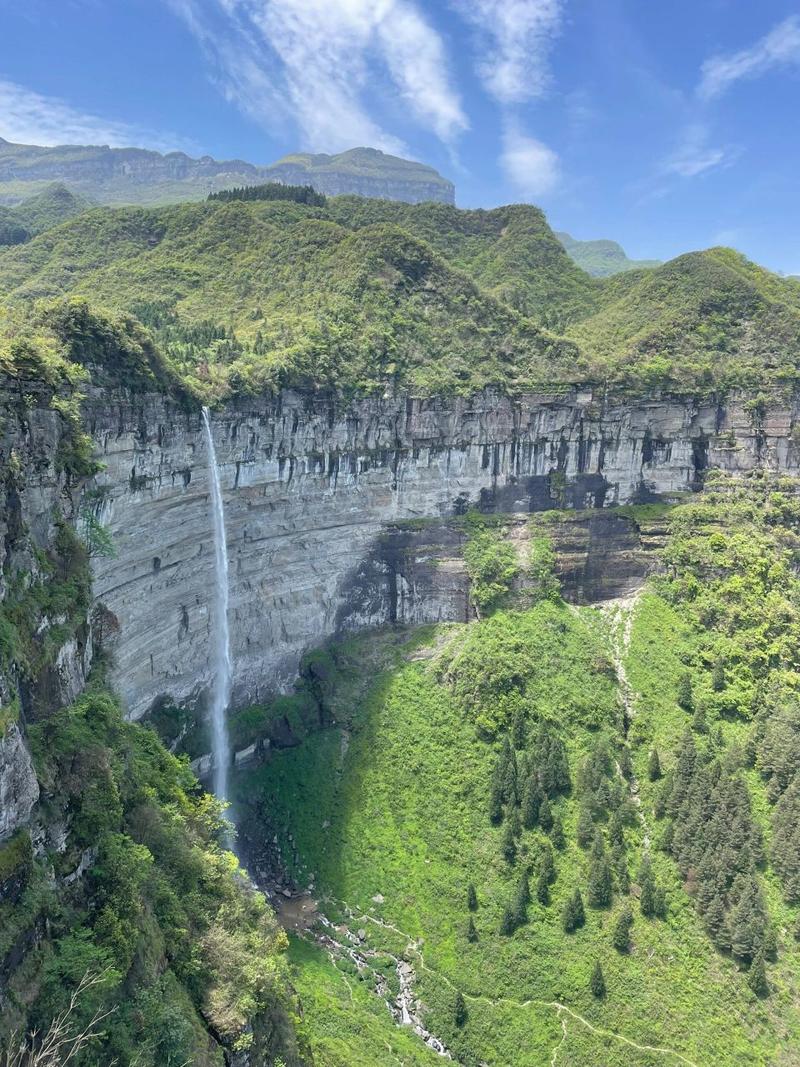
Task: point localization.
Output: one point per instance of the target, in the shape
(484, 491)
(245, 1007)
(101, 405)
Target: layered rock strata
(312, 485)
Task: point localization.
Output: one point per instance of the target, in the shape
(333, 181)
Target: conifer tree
(547, 867)
(496, 797)
(521, 901)
(622, 929)
(509, 844)
(699, 724)
(647, 898)
(557, 833)
(543, 888)
(654, 766)
(600, 886)
(545, 815)
(568, 921)
(459, 1010)
(531, 802)
(585, 830)
(716, 923)
(577, 909)
(757, 975)
(685, 694)
(472, 897)
(472, 933)
(597, 982)
(507, 922)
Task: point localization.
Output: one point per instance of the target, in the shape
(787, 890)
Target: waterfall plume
(220, 633)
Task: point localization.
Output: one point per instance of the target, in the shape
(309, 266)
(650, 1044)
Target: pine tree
(716, 923)
(459, 1010)
(585, 830)
(770, 943)
(757, 976)
(543, 889)
(510, 789)
(685, 695)
(547, 867)
(557, 833)
(622, 929)
(496, 797)
(472, 897)
(577, 908)
(521, 901)
(545, 815)
(621, 871)
(654, 766)
(472, 933)
(531, 800)
(568, 923)
(519, 731)
(699, 724)
(647, 899)
(507, 922)
(600, 886)
(597, 983)
(509, 844)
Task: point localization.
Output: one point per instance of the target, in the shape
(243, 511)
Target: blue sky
(666, 125)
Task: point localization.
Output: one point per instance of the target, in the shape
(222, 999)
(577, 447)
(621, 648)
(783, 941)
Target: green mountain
(601, 259)
(140, 176)
(245, 294)
(53, 205)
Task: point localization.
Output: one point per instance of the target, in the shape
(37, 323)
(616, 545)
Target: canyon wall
(313, 488)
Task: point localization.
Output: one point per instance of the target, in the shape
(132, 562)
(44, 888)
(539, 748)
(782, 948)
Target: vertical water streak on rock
(220, 634)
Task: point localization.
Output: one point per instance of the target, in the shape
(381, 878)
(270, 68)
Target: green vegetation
(300, 194)
(181, 942)
(356, 294)
(48, 208)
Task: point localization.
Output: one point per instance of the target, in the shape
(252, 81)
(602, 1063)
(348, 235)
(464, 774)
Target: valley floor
(385, 815)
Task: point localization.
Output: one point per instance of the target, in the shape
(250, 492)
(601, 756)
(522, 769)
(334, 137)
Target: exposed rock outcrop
(310, 485)
(19, 789)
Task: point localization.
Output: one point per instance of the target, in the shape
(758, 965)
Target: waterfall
(220, 634)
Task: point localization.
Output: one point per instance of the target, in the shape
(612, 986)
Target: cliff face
(38, 501)
(138, 175)
(312, 489)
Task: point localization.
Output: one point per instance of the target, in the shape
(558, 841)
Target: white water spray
(220, 634)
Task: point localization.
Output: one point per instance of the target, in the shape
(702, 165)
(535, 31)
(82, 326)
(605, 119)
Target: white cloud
(27, 117)
(695, 156)
(514, 40)
(314, 62)
(530, 165)
(780, 47)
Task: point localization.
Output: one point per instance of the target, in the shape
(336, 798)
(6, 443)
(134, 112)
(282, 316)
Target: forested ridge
(245, 294)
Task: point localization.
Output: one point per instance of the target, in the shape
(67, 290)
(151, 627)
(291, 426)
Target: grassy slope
(405, 788)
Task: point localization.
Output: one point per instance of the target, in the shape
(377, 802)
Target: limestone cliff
(311, 486)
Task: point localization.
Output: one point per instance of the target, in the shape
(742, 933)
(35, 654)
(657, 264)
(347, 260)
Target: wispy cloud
(530, 165)
(695, 155)
(515, 37)
(779, 48)
(28, 117)
(314, 62)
